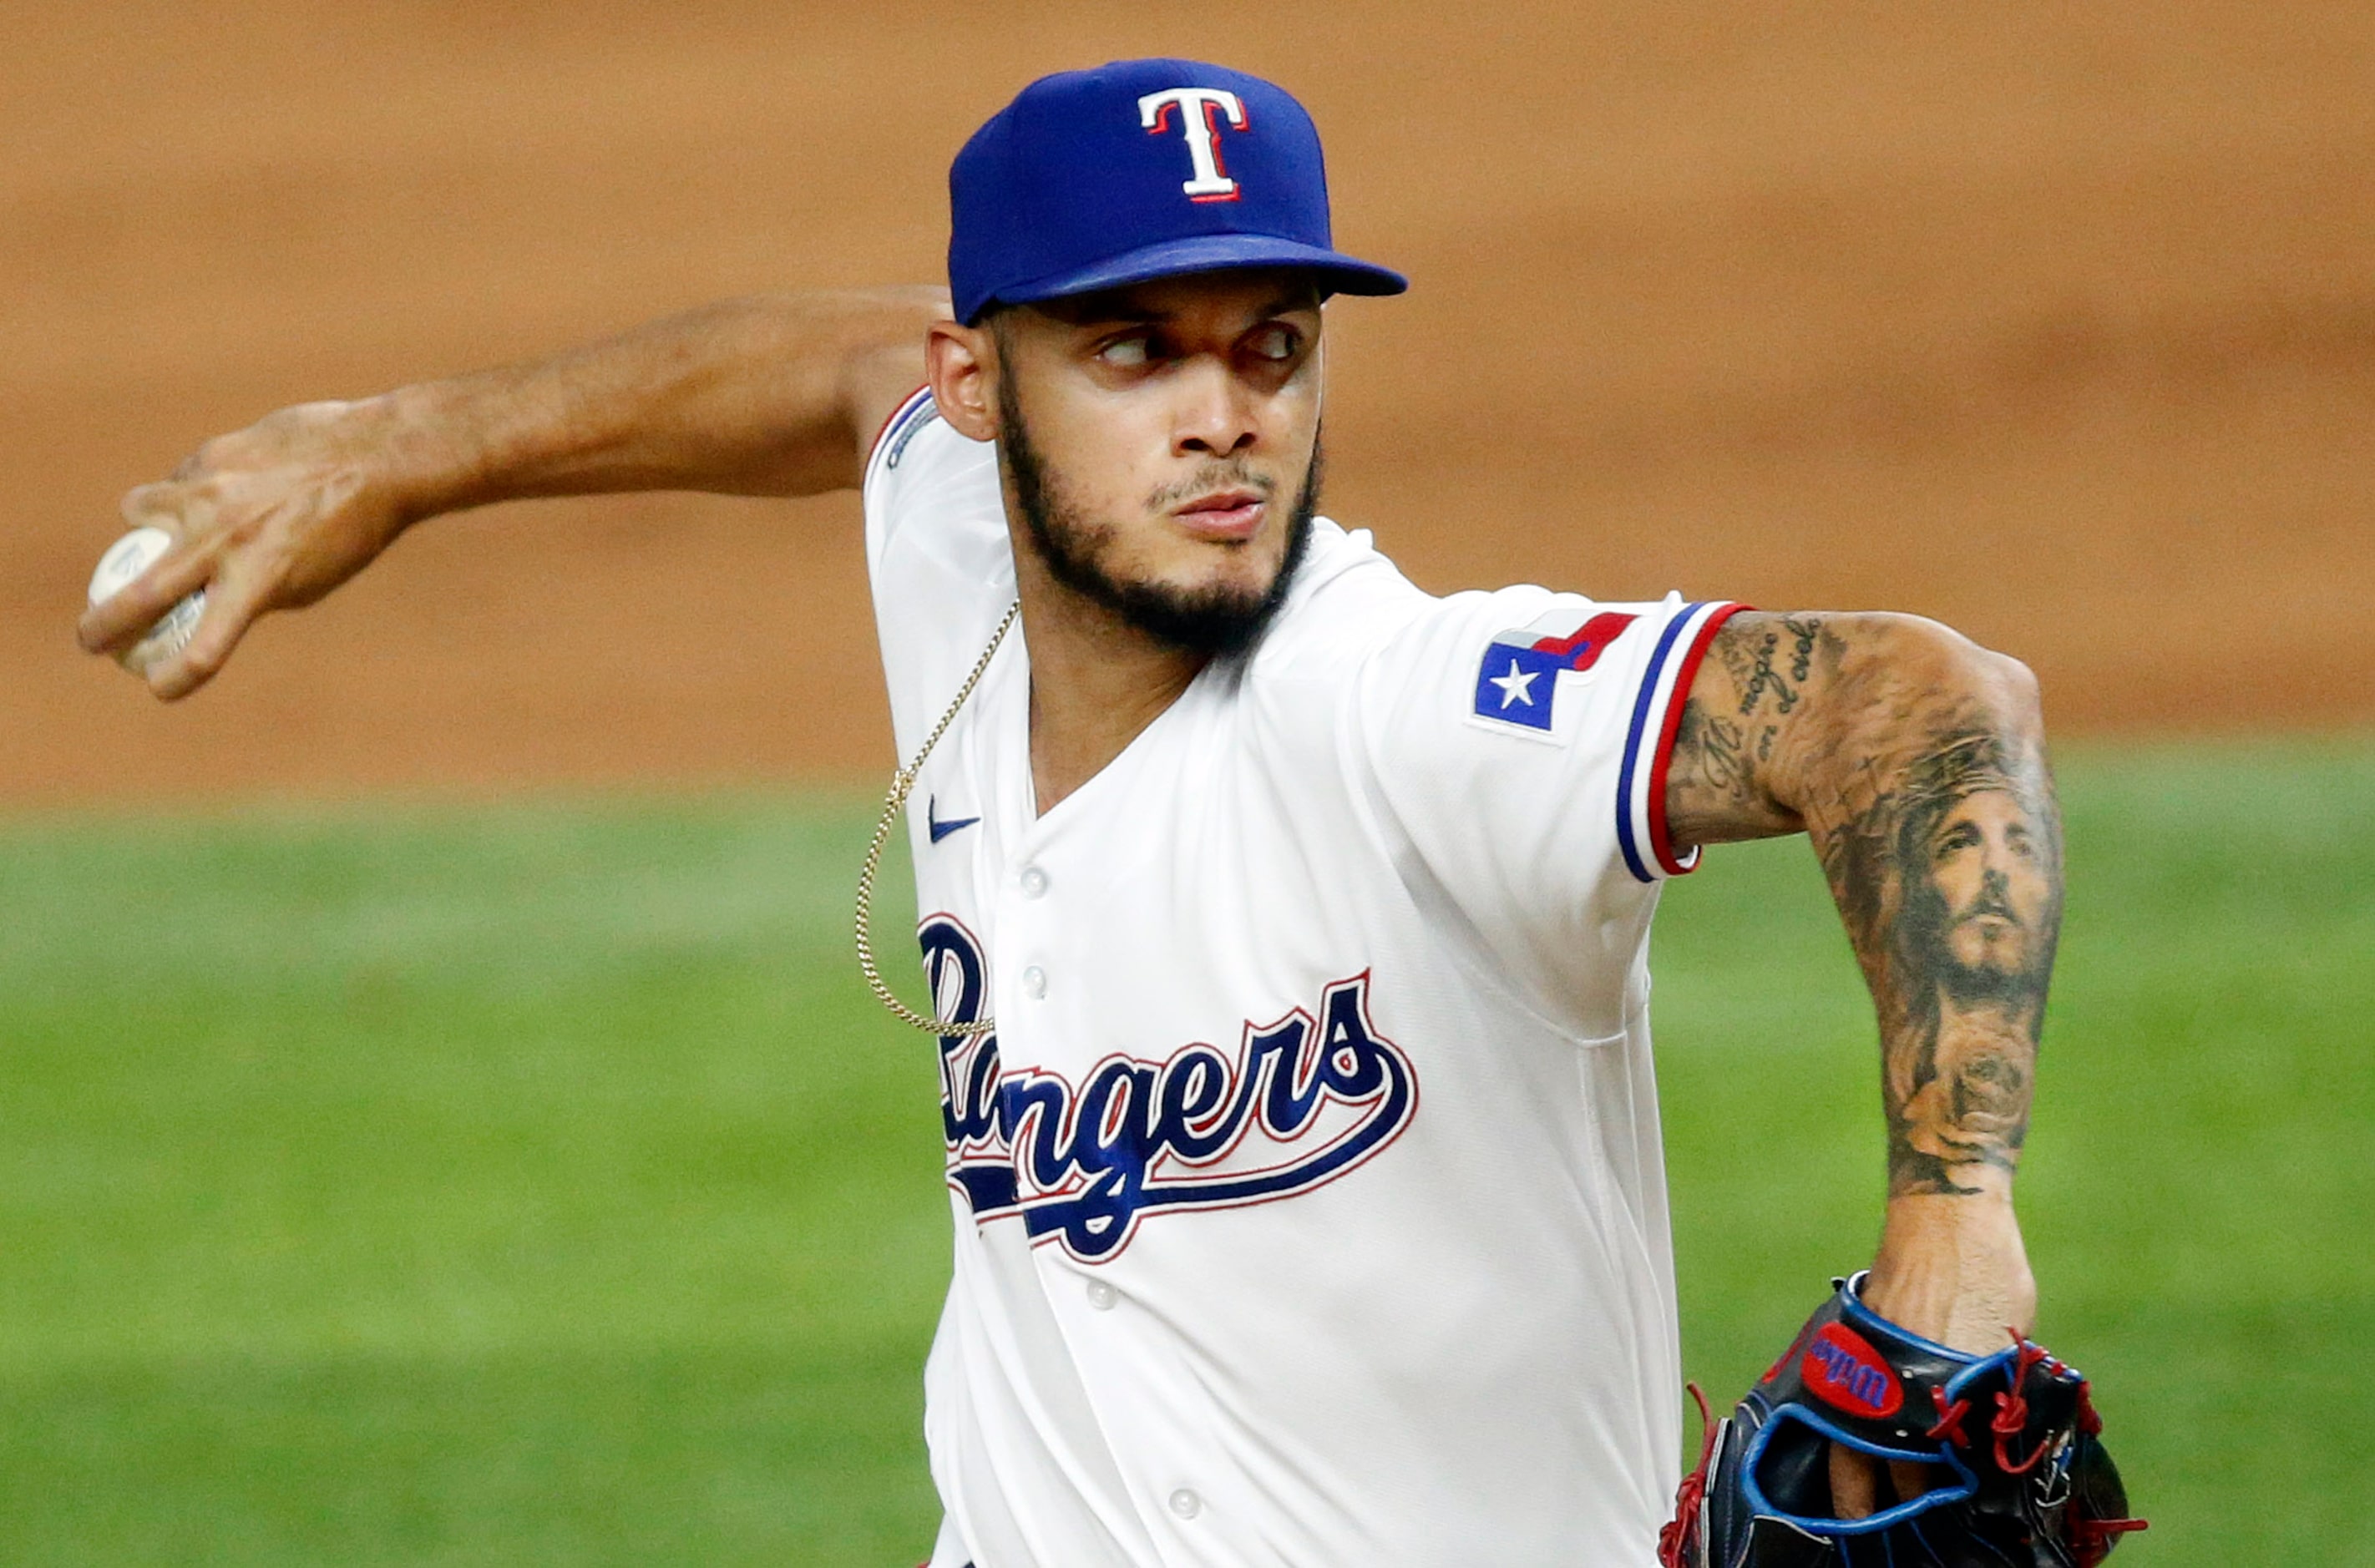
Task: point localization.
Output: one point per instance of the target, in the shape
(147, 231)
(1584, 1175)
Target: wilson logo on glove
(1842, 1368)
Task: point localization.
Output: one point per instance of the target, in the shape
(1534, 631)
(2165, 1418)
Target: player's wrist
(430, 449)
(1954, 1269)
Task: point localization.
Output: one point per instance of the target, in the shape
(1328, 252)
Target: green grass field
(536, 1184)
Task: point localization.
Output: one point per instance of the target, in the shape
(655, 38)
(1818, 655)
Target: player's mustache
(1210, 477)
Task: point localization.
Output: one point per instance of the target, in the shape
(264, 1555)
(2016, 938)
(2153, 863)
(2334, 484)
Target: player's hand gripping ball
(126, 560)
(2011, 1441)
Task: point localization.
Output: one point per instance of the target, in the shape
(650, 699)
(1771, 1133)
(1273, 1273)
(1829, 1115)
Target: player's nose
(1215, 414)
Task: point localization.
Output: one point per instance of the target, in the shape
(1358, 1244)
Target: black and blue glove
(2010, 1443)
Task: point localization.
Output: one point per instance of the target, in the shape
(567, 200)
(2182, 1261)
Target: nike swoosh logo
(942, 829)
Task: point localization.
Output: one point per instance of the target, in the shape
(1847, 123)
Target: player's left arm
(1915, 760)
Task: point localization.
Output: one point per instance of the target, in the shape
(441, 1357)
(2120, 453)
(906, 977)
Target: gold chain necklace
(903, 783)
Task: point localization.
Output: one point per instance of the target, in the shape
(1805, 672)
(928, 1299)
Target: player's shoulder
(929, 485)
(1527, 694)
(1353, 615)
(1527, 663)
(1345, 596)
(915, 443)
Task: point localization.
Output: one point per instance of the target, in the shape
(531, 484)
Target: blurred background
(442, 1123)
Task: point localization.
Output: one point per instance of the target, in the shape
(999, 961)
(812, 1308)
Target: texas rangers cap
(1139, 169)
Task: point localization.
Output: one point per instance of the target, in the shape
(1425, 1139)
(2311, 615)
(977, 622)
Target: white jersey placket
(1037, 880)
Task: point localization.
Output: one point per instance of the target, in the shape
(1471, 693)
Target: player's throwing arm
(775, 396)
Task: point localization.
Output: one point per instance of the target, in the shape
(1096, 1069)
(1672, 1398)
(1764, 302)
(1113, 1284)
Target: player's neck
(1096, 682)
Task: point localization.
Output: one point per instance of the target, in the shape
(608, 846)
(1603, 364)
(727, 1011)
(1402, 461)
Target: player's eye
(1275, 342)
(1128, 353)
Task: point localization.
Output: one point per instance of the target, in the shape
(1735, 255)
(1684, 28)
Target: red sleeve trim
(1660, 843)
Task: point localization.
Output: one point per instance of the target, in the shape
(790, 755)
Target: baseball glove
(2019, 1475)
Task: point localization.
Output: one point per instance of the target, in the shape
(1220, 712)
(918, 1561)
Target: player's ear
(962, 362)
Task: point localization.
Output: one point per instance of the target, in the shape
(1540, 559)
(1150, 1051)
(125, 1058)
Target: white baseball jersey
(1309, 1207)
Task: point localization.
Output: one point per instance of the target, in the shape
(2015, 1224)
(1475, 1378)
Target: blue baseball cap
(1139, 169)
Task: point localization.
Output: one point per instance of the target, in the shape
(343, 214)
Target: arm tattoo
(1719, 750)
(1949, 876)
(1919, 773)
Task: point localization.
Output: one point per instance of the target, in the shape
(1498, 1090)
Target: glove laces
(1675, 1534)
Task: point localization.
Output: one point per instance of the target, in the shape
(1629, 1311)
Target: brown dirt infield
(2055, 321)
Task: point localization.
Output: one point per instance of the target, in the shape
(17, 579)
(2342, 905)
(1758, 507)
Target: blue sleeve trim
(1642, 703)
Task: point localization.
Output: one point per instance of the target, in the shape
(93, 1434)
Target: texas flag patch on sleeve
(1517, 681)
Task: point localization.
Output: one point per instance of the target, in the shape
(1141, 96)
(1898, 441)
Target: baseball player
(1285, 926)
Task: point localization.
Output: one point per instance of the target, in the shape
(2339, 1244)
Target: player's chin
(1232, 593)
(1210, 574)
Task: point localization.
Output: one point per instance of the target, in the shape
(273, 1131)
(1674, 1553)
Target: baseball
(126, 560)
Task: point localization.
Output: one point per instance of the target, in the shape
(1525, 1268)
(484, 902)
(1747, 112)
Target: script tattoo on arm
(1915, 762)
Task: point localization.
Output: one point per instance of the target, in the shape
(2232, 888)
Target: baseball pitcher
(1285, 927)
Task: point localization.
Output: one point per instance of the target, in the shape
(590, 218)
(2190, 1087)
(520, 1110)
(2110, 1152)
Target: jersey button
(1102, 1296)
(1034, 983)
(1186, 1503)
(1035, 882)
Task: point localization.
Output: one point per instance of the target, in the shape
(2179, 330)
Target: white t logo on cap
(1200, 111)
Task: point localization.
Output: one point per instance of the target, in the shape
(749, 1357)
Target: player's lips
(1224, 514)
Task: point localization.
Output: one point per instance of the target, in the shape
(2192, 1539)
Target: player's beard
(1219, 619)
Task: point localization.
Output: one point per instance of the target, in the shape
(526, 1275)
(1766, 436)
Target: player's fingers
(124, 617)
(232, 604)
(1855, 1483)
(178, 505)
(1912, 1479)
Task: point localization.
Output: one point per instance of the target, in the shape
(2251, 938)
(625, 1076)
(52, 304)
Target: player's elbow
(1916, 652)
(2018, 690)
